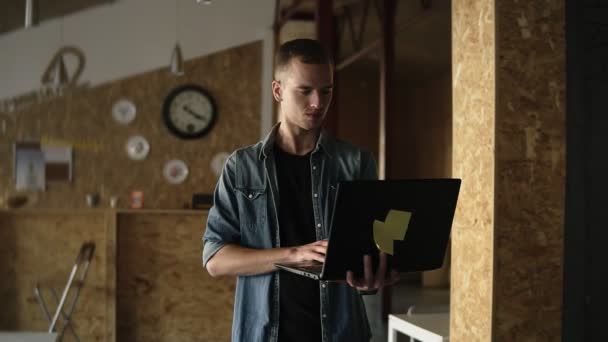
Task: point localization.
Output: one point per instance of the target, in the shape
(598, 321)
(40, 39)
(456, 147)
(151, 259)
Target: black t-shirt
(299, 318)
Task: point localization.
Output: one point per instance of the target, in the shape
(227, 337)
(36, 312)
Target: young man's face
(304, 92)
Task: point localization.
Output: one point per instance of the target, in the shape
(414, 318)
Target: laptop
(410, 220)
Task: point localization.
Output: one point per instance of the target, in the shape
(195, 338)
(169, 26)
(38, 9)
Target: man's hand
(371, 281)
(312, 251)
(235, 260)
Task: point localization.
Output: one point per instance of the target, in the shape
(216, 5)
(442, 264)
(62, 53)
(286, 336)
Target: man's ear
(277, 91)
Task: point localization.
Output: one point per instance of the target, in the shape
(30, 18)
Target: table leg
(392, 332)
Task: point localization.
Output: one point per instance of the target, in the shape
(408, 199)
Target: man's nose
(315, 99)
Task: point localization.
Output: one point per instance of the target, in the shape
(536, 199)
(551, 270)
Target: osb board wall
(473, 79)
(423, 129)
(41, 248)
(357, 104)
(164, 294)
(83, 118)
(530, 169)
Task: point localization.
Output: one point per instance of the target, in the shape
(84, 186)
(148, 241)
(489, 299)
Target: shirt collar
(324, 142)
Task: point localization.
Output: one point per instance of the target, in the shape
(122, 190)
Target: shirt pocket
(252, 208)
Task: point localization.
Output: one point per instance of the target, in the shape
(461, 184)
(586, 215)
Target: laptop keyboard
(312, 268)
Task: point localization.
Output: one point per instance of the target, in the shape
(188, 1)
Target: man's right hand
(233, 260)
(313, 251)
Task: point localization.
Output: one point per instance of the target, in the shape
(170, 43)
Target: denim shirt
(245, 213)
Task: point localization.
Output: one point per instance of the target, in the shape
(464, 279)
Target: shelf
(92, 211)
(163, 211)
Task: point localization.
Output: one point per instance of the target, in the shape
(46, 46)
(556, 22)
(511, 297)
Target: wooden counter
(146, 281)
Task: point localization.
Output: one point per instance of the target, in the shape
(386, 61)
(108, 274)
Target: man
(273, 204)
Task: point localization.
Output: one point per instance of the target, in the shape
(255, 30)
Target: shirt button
(250, 196)
(316, 195)
(319, 225)
(323, 285)
(324, 315)
(314, 167)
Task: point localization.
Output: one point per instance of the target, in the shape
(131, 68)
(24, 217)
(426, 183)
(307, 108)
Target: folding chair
(82, 260)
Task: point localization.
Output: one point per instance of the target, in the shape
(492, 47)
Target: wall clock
(189, 112)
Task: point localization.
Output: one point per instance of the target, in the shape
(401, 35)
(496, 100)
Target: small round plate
(124, 111)
(218, 161)
(137, 147)
(175, 171)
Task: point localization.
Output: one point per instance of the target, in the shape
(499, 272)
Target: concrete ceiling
(12, 16)
(422, 39)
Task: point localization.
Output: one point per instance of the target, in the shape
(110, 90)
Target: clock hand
(191, 112)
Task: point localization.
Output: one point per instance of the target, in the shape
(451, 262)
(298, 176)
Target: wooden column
(387, 71)
(509, 149)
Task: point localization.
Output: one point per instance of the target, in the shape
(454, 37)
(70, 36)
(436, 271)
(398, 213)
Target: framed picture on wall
(37, 164)
(29, 167)
(57, 163)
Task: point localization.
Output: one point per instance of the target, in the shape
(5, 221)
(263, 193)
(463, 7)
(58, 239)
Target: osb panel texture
(101, 164)
(473, 82)
(358, 120)
(424, 130)
(42, 248)
(164, 294)
(530, 170)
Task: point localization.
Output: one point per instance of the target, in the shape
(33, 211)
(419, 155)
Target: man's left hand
(371, 281)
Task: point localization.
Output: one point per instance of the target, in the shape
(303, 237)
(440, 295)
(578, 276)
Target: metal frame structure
(83, 260)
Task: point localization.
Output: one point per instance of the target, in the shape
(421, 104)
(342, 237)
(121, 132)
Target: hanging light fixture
(176, 64)
(56, 75)
(29, 13)
(60, 74)
(177, 61)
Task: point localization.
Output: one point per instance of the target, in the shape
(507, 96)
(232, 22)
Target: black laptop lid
(431, 202)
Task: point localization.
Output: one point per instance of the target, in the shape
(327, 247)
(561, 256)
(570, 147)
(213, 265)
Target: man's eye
(305, 92)
(326, 91)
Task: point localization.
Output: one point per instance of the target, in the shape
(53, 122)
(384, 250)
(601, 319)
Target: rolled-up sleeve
(223, 220)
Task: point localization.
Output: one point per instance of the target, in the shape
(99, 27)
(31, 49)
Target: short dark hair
(308, 51)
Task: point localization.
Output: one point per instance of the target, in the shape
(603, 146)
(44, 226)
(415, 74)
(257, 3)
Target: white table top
(27, 336)
(436, 325)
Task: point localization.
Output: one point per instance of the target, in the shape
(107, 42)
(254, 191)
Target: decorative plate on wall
(124, 111)
(137, 147)
(175, 171)
(218, 161)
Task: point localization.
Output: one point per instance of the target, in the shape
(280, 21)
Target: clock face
(189, 112)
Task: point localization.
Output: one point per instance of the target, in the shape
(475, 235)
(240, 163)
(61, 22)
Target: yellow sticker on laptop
(393, 228)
